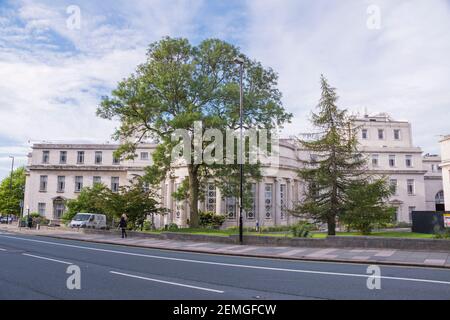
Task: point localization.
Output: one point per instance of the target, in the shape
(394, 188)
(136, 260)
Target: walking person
(30, 222)
(123, 225)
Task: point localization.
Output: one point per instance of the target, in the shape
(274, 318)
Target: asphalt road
(36, 268)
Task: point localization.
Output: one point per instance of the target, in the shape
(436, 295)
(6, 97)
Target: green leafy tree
(10, 197)
(180, 85)
(90, 200)
(138, 202)
(367, 206)
(337, 163)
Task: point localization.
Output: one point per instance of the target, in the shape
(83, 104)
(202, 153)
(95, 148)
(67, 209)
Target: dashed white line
(166, 282)
(1, 249)
(44, 258)
(229, 264)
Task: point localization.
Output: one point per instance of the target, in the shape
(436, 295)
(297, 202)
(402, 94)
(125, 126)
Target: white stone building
(58, 172)
(445, 165)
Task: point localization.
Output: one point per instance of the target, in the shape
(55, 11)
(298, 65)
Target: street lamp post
(240, 62)
(10, 184)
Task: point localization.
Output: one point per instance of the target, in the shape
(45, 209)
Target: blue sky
(52, 76)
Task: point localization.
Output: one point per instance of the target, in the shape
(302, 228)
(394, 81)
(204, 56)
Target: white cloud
(52, 76)
(401, 68)
(51, 92)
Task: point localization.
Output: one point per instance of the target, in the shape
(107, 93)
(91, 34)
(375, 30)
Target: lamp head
(239, 60)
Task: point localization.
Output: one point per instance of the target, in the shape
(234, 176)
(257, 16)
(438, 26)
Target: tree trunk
(193, 196)
(331, 225)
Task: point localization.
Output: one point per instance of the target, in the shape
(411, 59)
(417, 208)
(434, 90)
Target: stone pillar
(289, 205)
(218, 201)
(277, 201)
(170, 201)
(261, 203)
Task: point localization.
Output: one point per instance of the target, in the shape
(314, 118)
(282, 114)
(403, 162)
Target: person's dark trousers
(124, 233)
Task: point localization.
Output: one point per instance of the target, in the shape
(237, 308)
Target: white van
(89, 220)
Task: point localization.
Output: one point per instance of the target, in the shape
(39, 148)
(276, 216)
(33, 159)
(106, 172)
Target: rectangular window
(394, 185)
(375, 161)
(63, 157)
(251, 212)
(80, 157)
(365, 134)
(45, 157)
(409, 161)
(283, 201)
(380, 134)
(392, 161)
(210, 197)
(397, 135)
(144, 156)
(268, 200)
(411, 187)
(98, 157)
(115, 184)
(230, 207)
(41, 209)
(116, 160)
(43, 183)
(97, 180)
(78, 184)
(61, 183)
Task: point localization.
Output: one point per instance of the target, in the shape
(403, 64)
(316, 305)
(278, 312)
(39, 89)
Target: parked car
(5, 220)
(89, 221)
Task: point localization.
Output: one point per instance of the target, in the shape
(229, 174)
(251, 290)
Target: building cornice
(437, 178)
(81, 147)
(76, 168)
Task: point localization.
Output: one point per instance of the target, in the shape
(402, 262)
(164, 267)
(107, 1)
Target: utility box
(428, 222)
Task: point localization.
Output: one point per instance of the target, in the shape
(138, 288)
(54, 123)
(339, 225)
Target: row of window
(381, 134)
(392, 161)
(232, 206)
(98, 157)
(61, 183)
(410, 186)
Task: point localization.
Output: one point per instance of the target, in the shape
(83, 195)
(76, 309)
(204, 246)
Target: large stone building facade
(445, 165)
(58, 172)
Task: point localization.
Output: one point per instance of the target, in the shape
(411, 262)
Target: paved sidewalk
(368, 256)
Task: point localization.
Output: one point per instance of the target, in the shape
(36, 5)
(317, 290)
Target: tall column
(218, 201)
(169, 201)
(261, 203)
(277, 202)
(288, 200)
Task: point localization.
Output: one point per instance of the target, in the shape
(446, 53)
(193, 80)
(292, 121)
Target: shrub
(147, 226)
(302, 229)
(37, 219)
(442, 234)
(211, 220)
(172, 227)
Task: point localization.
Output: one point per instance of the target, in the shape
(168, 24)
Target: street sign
(21, 204)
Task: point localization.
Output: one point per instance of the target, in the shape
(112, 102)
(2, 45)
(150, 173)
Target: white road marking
(44, 258)
(229, 264)
(166, 282)
(1, 249)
